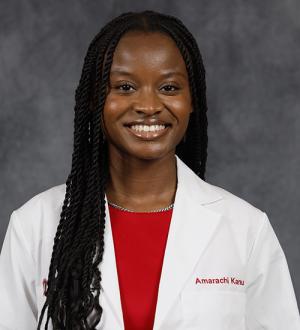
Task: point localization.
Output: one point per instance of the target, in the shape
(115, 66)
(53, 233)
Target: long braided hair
(74, 279)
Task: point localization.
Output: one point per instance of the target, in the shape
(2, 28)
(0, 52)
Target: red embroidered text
(222, 280)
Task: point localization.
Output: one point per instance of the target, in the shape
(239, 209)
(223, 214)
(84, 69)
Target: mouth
(148, 132)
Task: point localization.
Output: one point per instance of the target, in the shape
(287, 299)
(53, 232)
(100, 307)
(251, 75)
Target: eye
(125, 87)
(170, 88)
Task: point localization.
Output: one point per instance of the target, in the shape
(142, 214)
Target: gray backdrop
(251, 53)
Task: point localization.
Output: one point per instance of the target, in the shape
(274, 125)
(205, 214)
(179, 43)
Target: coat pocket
(213, 310)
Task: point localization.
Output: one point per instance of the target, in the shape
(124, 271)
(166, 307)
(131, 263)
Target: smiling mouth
(148, 132)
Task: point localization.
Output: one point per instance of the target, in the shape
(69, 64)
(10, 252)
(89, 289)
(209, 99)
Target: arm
(271, 301)
(18, 308)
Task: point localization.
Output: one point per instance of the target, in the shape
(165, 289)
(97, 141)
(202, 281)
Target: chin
(149, 154)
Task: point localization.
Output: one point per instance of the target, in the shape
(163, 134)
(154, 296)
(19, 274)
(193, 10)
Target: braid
(74, 279)
(198, 119)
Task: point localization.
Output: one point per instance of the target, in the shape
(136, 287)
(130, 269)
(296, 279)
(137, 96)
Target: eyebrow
(165, 74)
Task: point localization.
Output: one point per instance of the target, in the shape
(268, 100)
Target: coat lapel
(191, 229)
(110, 282)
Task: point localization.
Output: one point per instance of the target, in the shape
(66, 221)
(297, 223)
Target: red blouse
(139, 241)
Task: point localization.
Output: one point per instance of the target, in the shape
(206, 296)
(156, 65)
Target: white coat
(224, 268)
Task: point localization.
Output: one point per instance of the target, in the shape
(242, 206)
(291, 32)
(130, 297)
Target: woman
(137, 238)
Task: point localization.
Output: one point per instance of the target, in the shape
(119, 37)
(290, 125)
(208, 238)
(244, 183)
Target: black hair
(74, 279)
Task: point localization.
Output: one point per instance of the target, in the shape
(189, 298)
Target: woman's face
(148, 101)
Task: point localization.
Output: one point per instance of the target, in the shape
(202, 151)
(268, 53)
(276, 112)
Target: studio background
(251, 53)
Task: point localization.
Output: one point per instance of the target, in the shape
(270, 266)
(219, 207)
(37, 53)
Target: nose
(148, 102)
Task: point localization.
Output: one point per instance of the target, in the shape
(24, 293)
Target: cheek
(113, 110)
(181, 109)
(180, 103)
(113, 104)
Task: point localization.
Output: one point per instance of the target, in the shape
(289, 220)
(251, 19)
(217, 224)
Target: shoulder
(45, 201)
(240, 219)
(241, 216)
(232, 203)
(52, 196)
(234, 209)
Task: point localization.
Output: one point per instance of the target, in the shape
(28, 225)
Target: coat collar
(197, 189)
(192, 227)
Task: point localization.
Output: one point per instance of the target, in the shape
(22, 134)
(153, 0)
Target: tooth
(147, 128)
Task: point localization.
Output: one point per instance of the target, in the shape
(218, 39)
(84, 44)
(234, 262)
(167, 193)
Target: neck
(142, 185)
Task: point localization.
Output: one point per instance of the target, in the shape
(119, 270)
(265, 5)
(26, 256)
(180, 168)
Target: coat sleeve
(271, 302)
(18, 308)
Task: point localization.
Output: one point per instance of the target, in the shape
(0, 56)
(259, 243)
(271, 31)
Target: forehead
(151, 50)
